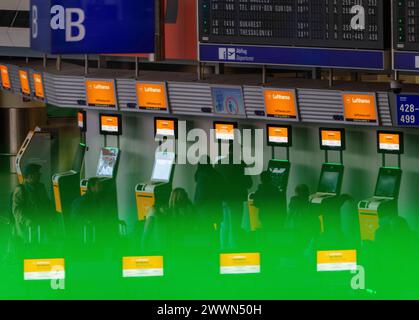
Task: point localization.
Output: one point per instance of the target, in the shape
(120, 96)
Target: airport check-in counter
(325, 201)
(66, 184)
(384, 204)
(160, 184)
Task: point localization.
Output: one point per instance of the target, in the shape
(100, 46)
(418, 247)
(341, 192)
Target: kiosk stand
(277, 136)
(107, 166)
(384, 204)
(324, 201)
(160, 184)
(66, 184)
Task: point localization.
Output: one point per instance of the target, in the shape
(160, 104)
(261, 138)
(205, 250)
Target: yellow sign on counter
(133, 267)
(44, 269)
(240, 263)
(336, 260)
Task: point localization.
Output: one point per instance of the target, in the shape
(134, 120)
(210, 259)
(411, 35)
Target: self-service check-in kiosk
(279, 169)
(323, 202)
(161, 180)
(66, 185)
(107, 166)
(384, 203)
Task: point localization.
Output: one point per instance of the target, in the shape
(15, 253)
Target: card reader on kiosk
(107, 166)
(384, 203)
(331, 176)
(277, 136)
(163, 170)
(66, 184)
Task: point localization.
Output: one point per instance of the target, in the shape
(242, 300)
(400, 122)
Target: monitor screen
(81, 120)
(332, 139)
(329, 182)
(165, 127)
(390, 142)
(163, 167)
(110, 124)
(279, 136)
(108, 159)
(386, 186)
(224, 131)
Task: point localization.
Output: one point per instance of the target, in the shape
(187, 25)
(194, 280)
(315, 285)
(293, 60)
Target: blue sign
(406, 61)
(92, 26)
(292, 56)
(228, 101)
(408, 110)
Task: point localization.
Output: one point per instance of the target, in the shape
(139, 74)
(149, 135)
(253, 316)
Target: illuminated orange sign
(331, 138)
(80, 120)
(339, 260)
(24, 82)
(38, 86)
(151, 96)
(109, 124)
(5, 80)
(100, 93)
(224, 131)
(165, 127)
(360, 108)
(278, 135)
(280, 104)
(389, 141)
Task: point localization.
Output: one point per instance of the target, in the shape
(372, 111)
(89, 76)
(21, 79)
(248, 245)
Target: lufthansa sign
(83, 26)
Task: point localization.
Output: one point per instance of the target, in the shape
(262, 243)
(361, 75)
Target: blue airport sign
(293, 56)
(92, 27)
(406, 61)
(408, 110)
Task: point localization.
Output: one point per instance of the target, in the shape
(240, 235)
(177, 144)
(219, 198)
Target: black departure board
(357, 24)
(406, 24)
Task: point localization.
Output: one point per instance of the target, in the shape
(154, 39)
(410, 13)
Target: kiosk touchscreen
(162, 173)
(108, 161)
(66, 184)
(384, 203)
(279, 169)
(330, 182)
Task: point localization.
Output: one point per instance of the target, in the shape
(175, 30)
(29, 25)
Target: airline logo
(100, 93)
(240, 263)
(331, 138)
(137, 267)
(38, 86)
(389, 142)
(24, 82)
(224, 131)
(151, 96)
(5, 80)
(44, 269)
(339, 260)
(165, 128)
(109, 124)
(280, 104)
(360, 107)
(278, 135)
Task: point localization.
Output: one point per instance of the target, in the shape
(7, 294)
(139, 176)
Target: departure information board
(355, 24)
(406, 28)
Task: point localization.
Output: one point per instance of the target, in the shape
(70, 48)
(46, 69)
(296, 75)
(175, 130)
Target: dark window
(14, 19)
